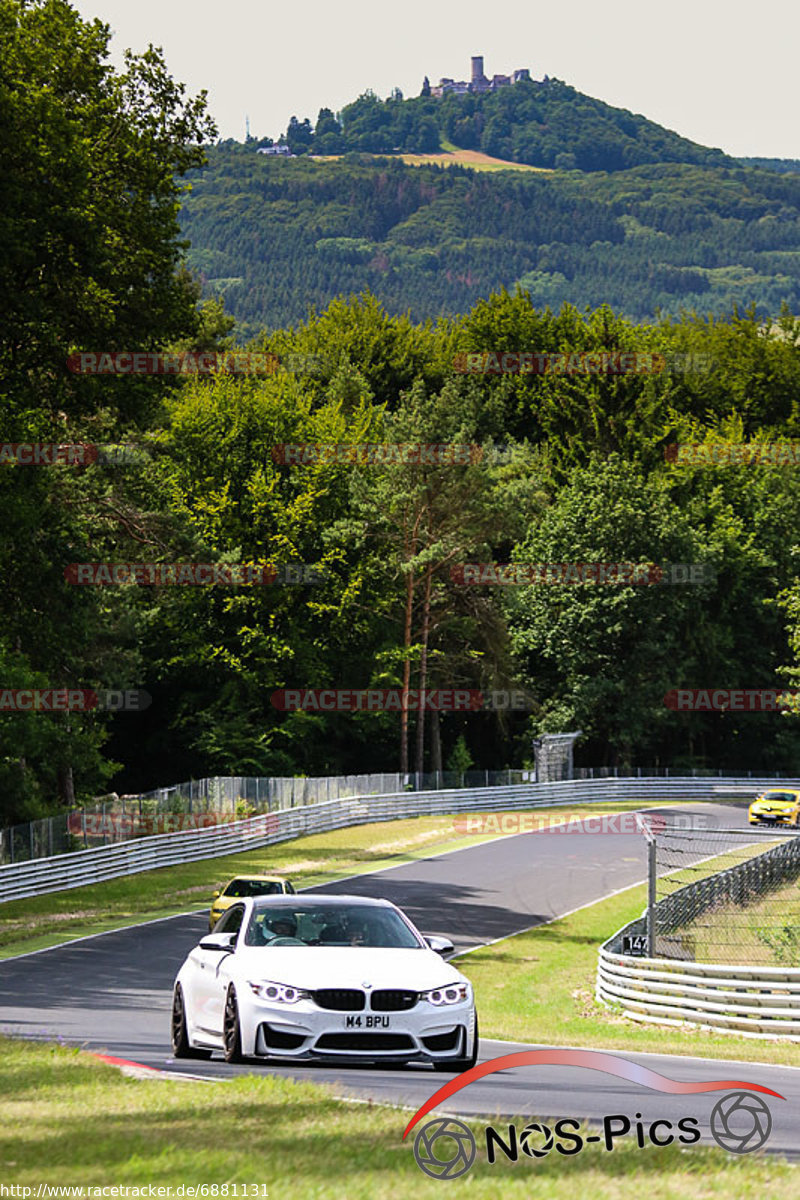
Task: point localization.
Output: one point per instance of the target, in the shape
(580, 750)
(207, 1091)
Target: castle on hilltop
(478, 82)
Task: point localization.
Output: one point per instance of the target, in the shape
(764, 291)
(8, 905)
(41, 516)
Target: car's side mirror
(222, 942)
(441, 945)
(215, 894)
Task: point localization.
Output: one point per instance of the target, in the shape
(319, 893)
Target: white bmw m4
(323, 978)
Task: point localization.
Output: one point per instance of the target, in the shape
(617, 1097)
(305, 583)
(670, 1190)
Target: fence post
(651, 897)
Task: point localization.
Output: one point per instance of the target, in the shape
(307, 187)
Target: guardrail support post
(651, 898)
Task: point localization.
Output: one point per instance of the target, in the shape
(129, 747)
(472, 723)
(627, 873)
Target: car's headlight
(453, 993)
(278, 993)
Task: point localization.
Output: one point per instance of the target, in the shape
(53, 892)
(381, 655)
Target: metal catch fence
(725, 895)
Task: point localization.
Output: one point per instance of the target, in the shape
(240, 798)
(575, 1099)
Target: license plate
(367, 1021)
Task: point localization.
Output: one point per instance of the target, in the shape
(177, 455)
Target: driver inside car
(283, 926)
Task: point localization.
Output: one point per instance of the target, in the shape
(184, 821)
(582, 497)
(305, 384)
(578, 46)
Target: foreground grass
(41, 921)
(70, 1120)
(539, 987)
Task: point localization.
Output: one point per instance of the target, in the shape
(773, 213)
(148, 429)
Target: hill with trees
(544, 123)
(573, 465)
(276, 236)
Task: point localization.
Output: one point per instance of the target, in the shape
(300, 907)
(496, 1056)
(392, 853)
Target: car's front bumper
(425, 1033)
(772, 818)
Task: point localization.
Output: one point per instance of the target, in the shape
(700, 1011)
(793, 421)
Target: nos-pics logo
(445, 1148)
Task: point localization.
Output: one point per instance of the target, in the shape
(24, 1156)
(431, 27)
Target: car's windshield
(252, 887)
(343, 925)
(785, 796)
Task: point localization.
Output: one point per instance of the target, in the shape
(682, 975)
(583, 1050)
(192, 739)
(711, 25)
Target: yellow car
(246, 885)
(776, 807)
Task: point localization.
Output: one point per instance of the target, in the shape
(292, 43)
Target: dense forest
(274, 237)
(574, 466)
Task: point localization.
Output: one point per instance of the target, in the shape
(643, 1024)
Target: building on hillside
(284, 150)
(478, 83)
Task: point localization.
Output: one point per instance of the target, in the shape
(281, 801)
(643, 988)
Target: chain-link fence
(669, 773)
(725, 895)
(200, 803)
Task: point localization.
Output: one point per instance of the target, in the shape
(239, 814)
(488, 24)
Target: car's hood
(346, 966)
(777, 805)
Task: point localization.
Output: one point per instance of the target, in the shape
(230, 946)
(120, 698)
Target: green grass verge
(71, 1121)
(539, 987)
(42, 921)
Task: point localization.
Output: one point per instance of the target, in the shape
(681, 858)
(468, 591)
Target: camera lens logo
(741, 1122)
(529, 1136)
(444, 1148)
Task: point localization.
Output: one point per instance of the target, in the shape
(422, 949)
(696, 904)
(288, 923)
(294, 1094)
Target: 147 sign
(635, 944)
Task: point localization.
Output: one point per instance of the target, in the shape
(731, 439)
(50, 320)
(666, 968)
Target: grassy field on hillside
(450, 156)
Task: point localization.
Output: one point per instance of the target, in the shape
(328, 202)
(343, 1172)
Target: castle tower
(477, 68)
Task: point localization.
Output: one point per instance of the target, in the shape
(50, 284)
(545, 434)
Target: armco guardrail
(198, 803)
(755, 1001)
(144, 854)
(758, 1001)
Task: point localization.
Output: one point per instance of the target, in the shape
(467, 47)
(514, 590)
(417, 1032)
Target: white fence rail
(82, 867)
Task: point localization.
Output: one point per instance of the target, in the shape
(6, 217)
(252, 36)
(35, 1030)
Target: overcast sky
(722, 72)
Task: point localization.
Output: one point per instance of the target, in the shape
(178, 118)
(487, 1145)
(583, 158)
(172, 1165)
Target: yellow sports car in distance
(246, 885)
(776, 807)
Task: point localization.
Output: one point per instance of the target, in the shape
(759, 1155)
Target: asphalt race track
(112, 993)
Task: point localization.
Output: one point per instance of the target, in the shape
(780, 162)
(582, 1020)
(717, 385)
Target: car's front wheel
(455, 1065)
(181, 1046)
(231, 1029)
